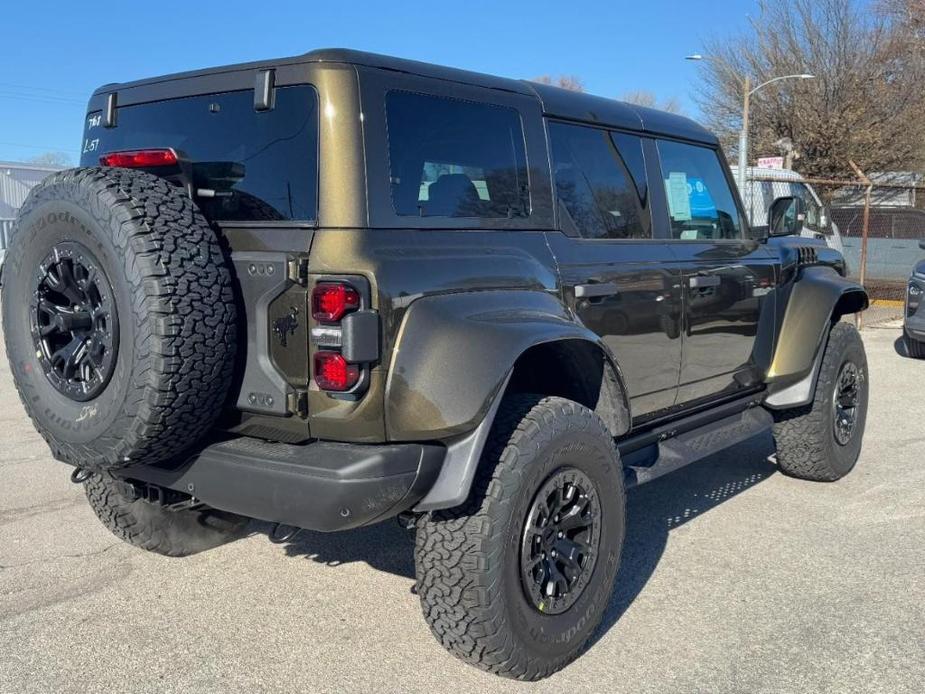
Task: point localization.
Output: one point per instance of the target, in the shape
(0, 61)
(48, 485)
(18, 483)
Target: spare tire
(118, 317)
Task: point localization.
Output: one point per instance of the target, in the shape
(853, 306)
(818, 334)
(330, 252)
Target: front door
(622, 283)
(727, 278)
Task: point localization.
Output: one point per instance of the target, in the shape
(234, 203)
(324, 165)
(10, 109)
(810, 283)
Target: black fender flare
(452, 360)
(818, 297)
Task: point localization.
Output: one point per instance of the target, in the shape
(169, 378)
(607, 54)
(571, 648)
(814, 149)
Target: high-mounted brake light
(332, 372)
(139, 158)
(332, 301)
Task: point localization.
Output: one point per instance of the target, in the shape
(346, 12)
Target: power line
(42, 89)
(42, 99)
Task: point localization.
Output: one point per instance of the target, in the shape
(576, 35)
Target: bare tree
(642, 97)
(865, 103)
(51, 159)
(571, 82)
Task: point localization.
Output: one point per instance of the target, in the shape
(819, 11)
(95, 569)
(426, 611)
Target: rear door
(727, 277)
(620, 280)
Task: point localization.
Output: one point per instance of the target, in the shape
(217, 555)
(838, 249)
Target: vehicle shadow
(653, 510)
(385, 546)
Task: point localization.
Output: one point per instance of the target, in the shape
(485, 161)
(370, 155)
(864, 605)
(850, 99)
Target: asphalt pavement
(734, 579)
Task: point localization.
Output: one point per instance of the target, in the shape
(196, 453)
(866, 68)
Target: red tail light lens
(332, 372)
(331, 302)
(140, 158)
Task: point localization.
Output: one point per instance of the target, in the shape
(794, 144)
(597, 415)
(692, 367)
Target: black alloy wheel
(75, 326)
(845, 401)
(560, 541)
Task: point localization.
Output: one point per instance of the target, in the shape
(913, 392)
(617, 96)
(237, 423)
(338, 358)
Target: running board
(665, 449)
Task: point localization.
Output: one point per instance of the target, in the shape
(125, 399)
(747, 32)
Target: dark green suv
(337, 288)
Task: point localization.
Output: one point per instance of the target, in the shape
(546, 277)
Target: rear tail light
(332, 301)
(140, 158)
(332, 372)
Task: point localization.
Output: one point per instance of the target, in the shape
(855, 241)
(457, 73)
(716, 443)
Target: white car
(763, 186)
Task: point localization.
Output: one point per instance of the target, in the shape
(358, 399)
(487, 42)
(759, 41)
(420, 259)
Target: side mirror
(785, 216)
(922, 244)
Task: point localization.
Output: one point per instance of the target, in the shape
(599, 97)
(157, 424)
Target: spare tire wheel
(118, 317)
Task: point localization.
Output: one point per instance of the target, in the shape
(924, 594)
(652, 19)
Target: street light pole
(747, 92)
(743, 136)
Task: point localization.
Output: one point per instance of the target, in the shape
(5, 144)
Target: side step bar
(666, 448)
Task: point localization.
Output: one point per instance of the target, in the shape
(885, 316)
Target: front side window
(257, 165)
(455, 158)
(595, 189)
(701, 204)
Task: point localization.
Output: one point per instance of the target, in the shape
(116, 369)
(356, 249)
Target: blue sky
(53, 54)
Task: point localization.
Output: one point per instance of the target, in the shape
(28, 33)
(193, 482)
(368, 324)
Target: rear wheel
(517, 579)
(156, 528)
(822, 441)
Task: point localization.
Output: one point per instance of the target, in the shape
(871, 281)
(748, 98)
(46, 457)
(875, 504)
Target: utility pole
(743, 136)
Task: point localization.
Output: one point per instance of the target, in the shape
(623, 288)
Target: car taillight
(332, 372)
(140, 158)
(332, 301)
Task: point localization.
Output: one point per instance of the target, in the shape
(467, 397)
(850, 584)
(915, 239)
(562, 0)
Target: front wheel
(914, 348)
(822, 441)
(517, 579)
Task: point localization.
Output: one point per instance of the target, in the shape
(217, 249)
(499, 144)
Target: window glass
(815, 219)
(700, 202)
(454, 158)
(593, 186)
(261, 165)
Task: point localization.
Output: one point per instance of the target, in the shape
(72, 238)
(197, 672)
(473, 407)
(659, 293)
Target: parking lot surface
(734, 579)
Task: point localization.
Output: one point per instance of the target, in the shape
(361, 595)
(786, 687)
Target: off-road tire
(914, 348)
(174, 533)
(172, 291)
(467, 559)
(806, 444)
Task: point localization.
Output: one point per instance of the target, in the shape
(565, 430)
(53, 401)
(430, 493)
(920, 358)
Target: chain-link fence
(877, 222)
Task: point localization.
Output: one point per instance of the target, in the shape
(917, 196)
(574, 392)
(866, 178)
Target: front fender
(817, 297)
(454, 353)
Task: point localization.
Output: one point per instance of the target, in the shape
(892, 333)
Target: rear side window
(701, 204)
(256, 165)
(595, 188)
(454, 158)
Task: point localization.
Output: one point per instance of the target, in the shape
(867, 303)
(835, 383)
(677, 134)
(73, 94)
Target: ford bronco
(337, 288)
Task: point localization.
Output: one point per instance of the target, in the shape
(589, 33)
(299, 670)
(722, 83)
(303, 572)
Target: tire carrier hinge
(297, 268)
(297, 402)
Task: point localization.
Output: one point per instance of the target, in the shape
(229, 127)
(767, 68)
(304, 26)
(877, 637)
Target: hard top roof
(556, 102)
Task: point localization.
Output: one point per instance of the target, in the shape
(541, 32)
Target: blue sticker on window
(701, 202)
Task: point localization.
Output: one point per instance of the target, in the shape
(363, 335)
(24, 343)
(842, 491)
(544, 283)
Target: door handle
(589, 291)
(701, 281)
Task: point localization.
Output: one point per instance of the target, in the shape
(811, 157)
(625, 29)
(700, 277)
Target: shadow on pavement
(653, 510)
(384, 546)
(656, 508)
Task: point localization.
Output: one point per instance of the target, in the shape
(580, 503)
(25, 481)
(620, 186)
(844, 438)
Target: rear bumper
(321, 486)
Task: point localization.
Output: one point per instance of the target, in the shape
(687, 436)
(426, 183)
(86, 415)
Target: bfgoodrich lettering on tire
(516, 580)
(118, 317)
